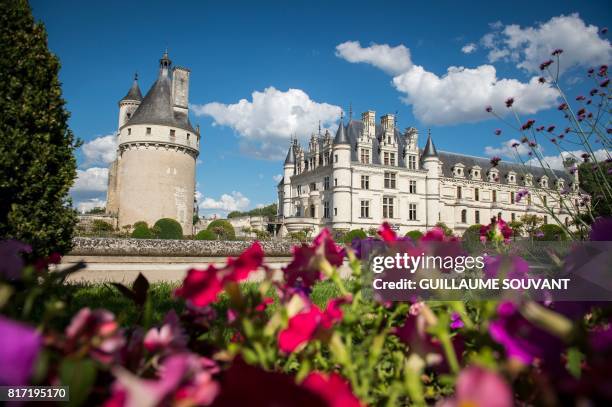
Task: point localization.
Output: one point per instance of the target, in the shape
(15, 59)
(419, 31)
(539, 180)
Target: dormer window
(364, 157)
(475, 172)
(528, 180)
(560, 183)
(544, 182)
(172, 133)
(511, 177)
(493, 175)
(411, 162)
(458, 170)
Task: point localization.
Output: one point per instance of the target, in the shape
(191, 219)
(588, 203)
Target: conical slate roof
(290, 156)
(134, 92)
(156, 107)
(430, 149)
(341, 137)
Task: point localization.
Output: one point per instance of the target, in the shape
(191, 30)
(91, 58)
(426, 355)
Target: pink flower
(201, 287)
(509, 102)
(496, 231)
(334, 389)
(603, 70)
(477, 386)
(456, 321)
(435, 234)
(308, 325)
(168, 336)
(19, 348)
(304, 270)
(387, 234)
(98, 331)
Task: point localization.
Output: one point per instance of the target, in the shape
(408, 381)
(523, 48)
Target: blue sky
(395, 57)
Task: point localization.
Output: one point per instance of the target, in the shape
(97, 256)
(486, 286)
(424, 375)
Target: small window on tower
(187, 136)
(129, 115)
(172, 132)
(148, 130)
(129, 132)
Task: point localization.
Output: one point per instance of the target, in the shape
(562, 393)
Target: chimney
(180, 88)
(369, 123)
(388, 122)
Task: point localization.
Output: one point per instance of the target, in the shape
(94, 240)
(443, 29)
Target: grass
(77, 296)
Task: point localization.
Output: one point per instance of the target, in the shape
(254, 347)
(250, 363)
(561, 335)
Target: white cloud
(392, 60)
(462, 94)
(266, 123)
(101, 150)
(556, 161)
(91, 179)
(528, 47)
(226, 203)
(469, 48)
(277, 177)
(89, 204)
(506, 150)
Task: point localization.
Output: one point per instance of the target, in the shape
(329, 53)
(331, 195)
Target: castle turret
(431, 163)
(157, 152)
(288, 172)
(341, 172)
(130, 102)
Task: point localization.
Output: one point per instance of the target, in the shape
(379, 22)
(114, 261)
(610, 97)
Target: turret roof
(134, 92)
(430, 149)
(341, 137)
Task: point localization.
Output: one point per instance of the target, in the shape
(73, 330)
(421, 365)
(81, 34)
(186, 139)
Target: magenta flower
(540, 128)
(580, 98)
(528, 124)
(304, 270)
(496, 231)
(509, 102)
(19, 347)
(495, 161)
(498, 132)
(12, 263)
(202, 287)
(553, 140)
(506, 266)
(332, 388)
(533, 144)
(550, 129)
(456, 322)
(557, 52)
(386, 233)
(545, 64)
(524, 140)
(601, 230)
(593, 92)
(169, 336)
(97, 331)
(603, 70)
(477, 386)
(520, 194)
(562, 106)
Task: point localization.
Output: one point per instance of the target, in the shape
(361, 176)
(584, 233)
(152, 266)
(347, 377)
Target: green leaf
(79, 375)
(574, 362)
(140, 289)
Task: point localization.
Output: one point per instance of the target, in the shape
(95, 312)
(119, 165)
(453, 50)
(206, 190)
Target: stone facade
(370, 173)
(153, 176)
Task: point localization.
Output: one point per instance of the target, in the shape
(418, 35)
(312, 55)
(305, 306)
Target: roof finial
(342, 116)
(319, 128)
(136, 76)
(350, 111)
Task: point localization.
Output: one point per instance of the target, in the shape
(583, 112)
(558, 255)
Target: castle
(369, 173)
(153, 176)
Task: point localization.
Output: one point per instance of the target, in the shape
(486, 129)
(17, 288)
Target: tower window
(148, 130)
(187, 136)
(494, 196)
(326, 186)
(459, 195)
(129, 132)
(511, 197)
(326, 209)
(129, 115)
(172, 132)
(476, 194)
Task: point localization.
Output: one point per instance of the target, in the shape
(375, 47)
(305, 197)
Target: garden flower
(533, 144)
(553, 140)
(603, 70)
(604, 31)
(590, 71)
(601, 229)
(334, 389)
(456, 321)
(605, 83)
(12, 262)
(562, 106)
(541, 79)
(99, 331)
(524, 140)
(509, 102)
(495, 161)
(305, 267)
(479, 387)
(550, 129)
(498, 132)
(515, 145)
(496, 231)
(386, 233)
(19, 347)
(309, 324)
(169, 336)
(488, 109)
(509, 266)
(540, 128)
(528, 124)
(557, 52)
(201, 287)
(545, 64)
(580, 98)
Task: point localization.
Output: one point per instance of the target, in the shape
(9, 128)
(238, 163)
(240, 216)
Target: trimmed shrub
(140, 223)
(471, 238)
(142, 232)
(447, 231)
(414, 235)
(205, 235)
(222, 229)
(169, 229)
(551, 233)
(101, 226)
(354, 234)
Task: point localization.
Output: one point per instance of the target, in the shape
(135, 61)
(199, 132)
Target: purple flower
(557, 52)
(603, 70)
(509, 102)
(550, 129)
(580, 98)
(562, 106)
(545, 64)
(541, 79)
(524, 140)
(528, 124)
(489, 109)
(604, 31)
(498, 132)
(505, 266)
(515, 145)
(19, 347)
(11, 262)
(456, 321)
(604, 83)
(601, 230)
(495, 161)
(539, 234)
(520, 194)
(533, 144)
(540, 128)
(590, 71)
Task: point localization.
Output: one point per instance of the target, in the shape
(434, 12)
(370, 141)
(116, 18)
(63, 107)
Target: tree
(517, 228)
(205, 235)
(531, 223)
(101, 226)
(223, 229)
(96, 211)
(37, 163)
(551, 232)
(168, 229)
(414, 235)
(142, 231)
(592, 182)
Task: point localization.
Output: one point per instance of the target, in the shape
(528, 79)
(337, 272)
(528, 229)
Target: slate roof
(430, 149)
(290, 159)
(134, 92)
(156, 107)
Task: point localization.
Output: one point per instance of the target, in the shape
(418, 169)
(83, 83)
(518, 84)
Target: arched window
(463, 216)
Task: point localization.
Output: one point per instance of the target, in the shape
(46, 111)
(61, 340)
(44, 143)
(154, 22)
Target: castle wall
(112, 203)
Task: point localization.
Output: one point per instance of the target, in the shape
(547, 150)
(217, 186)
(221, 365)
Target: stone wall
(91, 246)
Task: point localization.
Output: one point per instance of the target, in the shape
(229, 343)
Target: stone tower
(341, 174)
(431, 163)
(153, 176)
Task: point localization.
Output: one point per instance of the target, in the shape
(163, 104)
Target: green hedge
(205, 235)
(354, 234)
(222, 229)
(414, 235)
(142, 231)
(169, 229)
(552, 232)
(101, 226)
